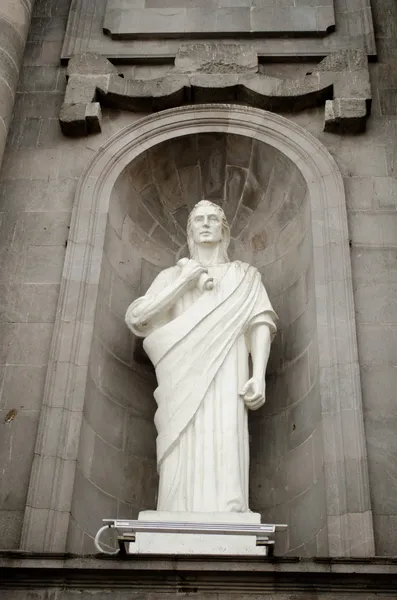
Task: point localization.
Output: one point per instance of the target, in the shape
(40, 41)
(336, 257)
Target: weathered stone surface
(81, 89)
(345, 115)
(14, 25)
(215, 18)
(354, 27)
(72, 119)
(27, 576)
(216, 58)
(90, 63)
(205, 73)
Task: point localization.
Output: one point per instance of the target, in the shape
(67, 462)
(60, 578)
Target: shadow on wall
(265, 200)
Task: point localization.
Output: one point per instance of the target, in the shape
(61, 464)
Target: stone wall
(37, 185)
(14, 26)
(371, 182)
(36, 199)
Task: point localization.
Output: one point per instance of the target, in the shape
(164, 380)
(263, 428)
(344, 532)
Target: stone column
(14, 26)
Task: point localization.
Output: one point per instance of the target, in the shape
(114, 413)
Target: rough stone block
(87, 73)
(93, 117)
(216, 58)
(72, 119)
(90, 63)
(80, 119)
(81, 89)
(345, 115)
(353, 84)
(214, 88)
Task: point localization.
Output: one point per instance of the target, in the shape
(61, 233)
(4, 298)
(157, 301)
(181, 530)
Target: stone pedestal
(206, 544)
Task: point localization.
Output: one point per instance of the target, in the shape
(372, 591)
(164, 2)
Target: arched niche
(284, 198)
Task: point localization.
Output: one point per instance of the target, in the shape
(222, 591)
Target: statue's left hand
(253, 393)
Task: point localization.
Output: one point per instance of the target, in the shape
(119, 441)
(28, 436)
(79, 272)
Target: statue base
(198, 543)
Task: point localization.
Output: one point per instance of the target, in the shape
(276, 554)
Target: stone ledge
(206, 73)
(199, 574)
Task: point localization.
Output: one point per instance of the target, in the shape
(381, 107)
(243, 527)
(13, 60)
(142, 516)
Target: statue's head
(207, 224)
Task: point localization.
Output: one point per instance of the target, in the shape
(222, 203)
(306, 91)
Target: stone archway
(345, 491)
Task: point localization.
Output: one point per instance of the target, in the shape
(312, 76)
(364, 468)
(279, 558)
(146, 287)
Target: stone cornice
(341, 81)
(199, 574)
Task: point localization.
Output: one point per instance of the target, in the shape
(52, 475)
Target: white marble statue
(201, 319)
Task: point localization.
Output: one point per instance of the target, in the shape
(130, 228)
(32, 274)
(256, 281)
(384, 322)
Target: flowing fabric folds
(188, 351)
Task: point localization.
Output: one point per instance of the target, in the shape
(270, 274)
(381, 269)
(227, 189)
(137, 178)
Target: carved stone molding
(65, 576)
(282, 29)
(218, 73)
(349, 516)
(215, 18)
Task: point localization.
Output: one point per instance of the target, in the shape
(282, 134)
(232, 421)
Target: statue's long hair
(225, 241)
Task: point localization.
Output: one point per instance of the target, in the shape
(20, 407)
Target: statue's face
(206, 226)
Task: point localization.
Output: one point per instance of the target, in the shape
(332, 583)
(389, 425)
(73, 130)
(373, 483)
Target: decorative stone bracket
(224, 73)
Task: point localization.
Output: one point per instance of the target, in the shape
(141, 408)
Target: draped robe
(200, 350)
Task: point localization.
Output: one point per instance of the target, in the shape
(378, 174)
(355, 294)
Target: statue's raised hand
(253, 393)
(192, 271)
